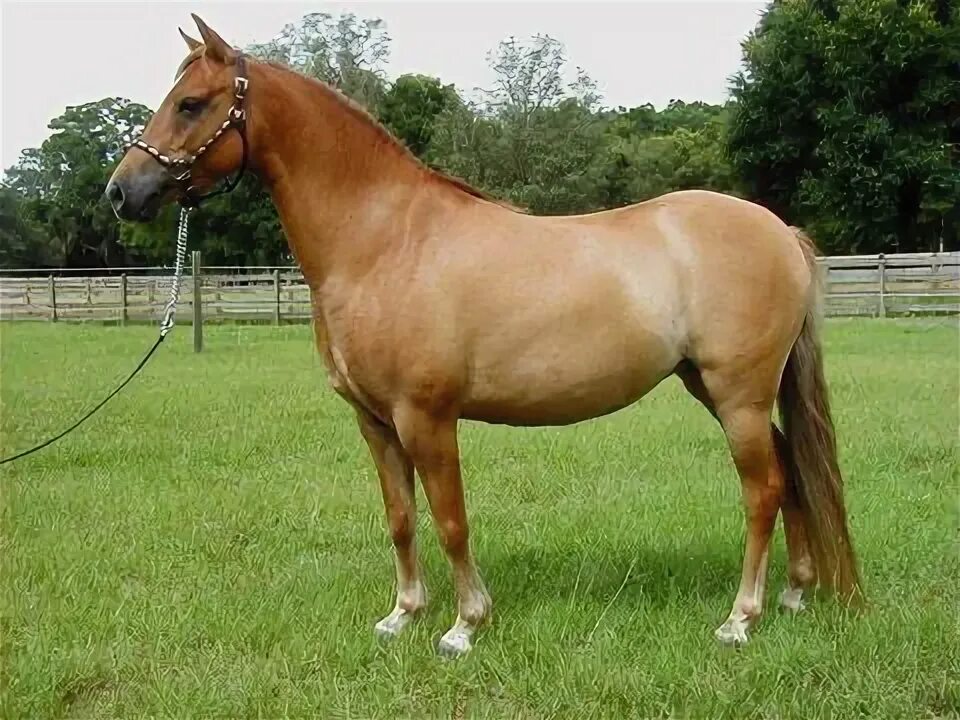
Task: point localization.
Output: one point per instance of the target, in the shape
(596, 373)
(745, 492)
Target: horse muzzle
(139, 195)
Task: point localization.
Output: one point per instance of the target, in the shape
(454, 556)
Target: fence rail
(866, 285)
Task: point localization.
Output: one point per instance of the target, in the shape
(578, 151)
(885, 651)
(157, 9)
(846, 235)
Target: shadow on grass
(525, 575)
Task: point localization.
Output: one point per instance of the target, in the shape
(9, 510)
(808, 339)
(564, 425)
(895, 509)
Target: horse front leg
(432, 444)
(395, 470)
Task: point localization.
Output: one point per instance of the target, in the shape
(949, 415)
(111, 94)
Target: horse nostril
(114, 194)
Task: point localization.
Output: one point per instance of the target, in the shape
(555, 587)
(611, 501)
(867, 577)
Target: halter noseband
(181, 168)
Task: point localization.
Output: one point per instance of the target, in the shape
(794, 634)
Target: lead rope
(166, 325)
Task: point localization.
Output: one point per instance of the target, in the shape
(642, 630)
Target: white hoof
(393, 624)
(733, 633)
(791, 600)
(455, 643)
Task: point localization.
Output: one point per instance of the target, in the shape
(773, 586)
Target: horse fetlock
(801, 572)
(413, 599)
(410, 602)
(791, 599)
(476, 608)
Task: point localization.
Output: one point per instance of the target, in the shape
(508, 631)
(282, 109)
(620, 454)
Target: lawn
(212, 545)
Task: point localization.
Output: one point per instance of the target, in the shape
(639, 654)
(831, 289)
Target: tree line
(844, 119)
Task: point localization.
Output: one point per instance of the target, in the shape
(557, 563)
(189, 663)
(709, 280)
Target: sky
(56, 54)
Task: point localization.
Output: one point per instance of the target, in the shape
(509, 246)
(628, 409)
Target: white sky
(56, 54)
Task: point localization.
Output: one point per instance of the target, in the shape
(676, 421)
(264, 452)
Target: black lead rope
(181, 169)
(95, 408)
(166, 325)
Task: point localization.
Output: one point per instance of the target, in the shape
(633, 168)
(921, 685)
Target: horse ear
(217, 48)
(191, 43)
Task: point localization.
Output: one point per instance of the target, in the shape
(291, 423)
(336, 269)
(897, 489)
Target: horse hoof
(732, 634)
(392, 625)
(454, 644)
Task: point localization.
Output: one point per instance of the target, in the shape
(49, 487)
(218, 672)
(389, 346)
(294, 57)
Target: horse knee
(401, 529)
(453, 536)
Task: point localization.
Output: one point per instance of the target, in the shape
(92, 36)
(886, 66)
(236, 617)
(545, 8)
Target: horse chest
(339, 374)
(350, 335)
(348, 386)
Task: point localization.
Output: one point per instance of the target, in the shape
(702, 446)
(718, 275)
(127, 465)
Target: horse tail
(812, 469)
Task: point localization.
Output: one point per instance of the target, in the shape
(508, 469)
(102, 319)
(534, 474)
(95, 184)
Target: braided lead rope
(170, 311)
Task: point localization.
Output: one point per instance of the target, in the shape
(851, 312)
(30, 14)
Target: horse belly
(559, 380)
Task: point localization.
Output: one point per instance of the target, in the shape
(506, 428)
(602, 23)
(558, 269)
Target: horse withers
(434, 303)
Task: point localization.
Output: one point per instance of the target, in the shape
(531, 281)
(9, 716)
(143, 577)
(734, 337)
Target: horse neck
(338, 181)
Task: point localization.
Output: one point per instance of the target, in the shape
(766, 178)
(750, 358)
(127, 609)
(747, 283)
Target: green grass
(212, 545)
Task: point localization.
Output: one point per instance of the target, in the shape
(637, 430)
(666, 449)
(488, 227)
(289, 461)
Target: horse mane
(359, 112)
(463, 185)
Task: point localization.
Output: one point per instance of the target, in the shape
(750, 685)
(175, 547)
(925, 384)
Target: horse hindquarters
(795, 470)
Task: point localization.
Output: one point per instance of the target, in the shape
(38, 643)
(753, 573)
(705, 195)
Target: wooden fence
(867, 285)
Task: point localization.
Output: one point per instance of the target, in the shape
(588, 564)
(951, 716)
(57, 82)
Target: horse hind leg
(750, 438)
(800, 573)
(745, 414)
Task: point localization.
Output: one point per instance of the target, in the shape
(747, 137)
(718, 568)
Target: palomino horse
(434, 303)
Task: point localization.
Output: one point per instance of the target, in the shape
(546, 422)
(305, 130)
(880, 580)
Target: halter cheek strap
(181, 169)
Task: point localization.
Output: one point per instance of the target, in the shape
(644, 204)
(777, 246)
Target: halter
(181, 169)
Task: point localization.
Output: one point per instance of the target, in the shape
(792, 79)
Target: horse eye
(190, 106)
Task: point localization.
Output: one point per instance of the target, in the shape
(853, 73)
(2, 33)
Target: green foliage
(345, 52)
(845, 119)
(59, 186)
(20, 243)
(542, 142)
(680, 148)
(848, 121)
(411, 106)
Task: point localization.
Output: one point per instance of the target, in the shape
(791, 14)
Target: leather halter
(181, 168)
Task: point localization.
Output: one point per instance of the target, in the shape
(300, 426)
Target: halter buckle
(240, 87)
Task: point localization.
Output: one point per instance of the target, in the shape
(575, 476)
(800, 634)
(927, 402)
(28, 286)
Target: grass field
(212, 545)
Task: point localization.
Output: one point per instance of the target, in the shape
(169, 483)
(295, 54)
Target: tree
(411, 106)
(20, 245)
(60, 184)
(649, 153)
(847, 121)
(534, 136)
(345, 52)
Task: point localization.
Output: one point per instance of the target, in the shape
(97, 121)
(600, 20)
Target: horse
(435, 303)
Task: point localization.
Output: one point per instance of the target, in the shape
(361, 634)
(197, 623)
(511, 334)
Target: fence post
(123, 299)
(823, 271)
(197, 304)
(276, 296)
(52, 282)
(882, 266)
